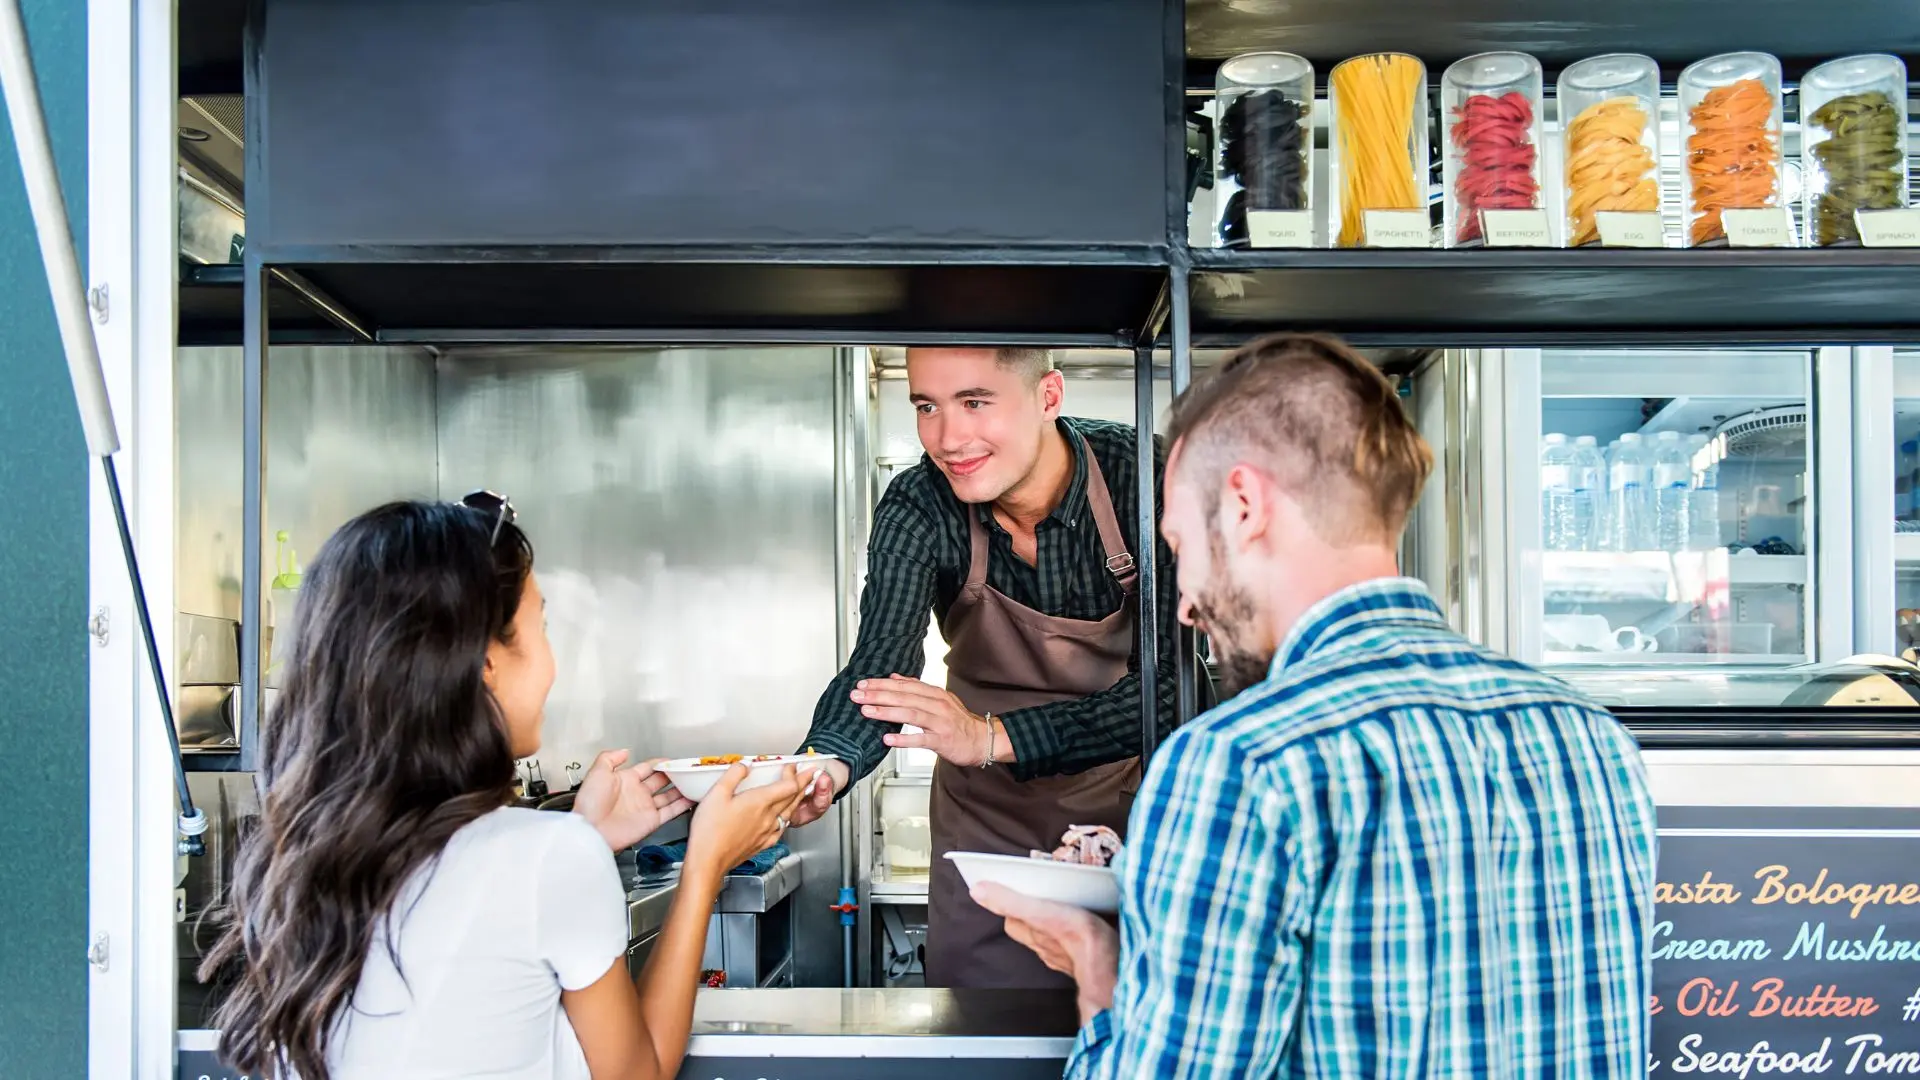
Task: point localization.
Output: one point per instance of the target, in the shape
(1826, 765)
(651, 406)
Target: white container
(909, 844)
(1091, 887)
(695, 780)
(1717, 639)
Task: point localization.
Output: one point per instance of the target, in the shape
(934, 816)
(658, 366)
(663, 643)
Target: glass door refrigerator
(1888, 412)
(1665, 529)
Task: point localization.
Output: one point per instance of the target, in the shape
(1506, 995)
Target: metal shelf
(1669, 660)
(213, 310)
(1906, 547)
(1523, 297)
(1741, 380)
(1090, 298)
(910, 891)
(1559, 32)
(1604, 577)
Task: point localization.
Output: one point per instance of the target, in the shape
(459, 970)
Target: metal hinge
(97, 300)
(97, 955)
(97, 626)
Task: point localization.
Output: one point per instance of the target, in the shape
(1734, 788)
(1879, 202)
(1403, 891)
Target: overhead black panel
(208, 43)
(764, 301)
(863, 123)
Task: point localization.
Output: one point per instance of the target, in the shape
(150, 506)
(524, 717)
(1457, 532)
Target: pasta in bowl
(695, 776)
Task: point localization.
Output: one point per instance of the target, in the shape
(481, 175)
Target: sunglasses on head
(492, 505)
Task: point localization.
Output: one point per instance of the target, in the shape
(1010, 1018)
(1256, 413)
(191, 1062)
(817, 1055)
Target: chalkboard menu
(1786, 942)
(197, 1060)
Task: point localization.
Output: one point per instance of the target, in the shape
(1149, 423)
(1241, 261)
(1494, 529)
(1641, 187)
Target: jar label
(1770, 226)
(1280, 228)
(1889, 228)
(1624, 228)
(1516, 228)
(1398, 229)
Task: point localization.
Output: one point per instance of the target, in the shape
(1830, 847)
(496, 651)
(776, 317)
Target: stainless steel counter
(758, 893)
(842, 1035)
(930, 1034)
(647, 909)
(741, 893)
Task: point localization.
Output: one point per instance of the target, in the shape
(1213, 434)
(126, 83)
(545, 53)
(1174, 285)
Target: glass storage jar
(1853, 144)
(1610, 130)
(1264, 147)
(1730, 132)
(1378, 158)
(1490, 111)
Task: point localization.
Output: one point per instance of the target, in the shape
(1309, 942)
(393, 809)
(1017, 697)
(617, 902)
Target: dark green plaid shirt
(917, 560)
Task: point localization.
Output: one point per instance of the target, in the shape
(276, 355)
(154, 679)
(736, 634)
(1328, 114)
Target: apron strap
(1119, 561)
(977, 533)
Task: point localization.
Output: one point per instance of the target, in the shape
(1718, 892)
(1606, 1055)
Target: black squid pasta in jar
(1262, 185)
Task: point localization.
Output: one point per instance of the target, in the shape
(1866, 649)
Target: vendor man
(1018, 530)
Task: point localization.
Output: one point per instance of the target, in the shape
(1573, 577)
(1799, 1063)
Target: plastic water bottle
(1629, 476)
(1904, 502)
(1672, 491)
(1703, 534)
(1589, 492)
(1559, 527)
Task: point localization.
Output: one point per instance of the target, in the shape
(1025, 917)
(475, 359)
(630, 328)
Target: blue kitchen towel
(657, 857)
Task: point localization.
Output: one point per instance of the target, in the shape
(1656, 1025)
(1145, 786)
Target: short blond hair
(1031, 364)
(1321, 420)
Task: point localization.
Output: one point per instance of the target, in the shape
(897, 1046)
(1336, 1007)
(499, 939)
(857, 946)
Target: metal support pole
(845, 574)
(1146, 588)
(253, 406)
(70, 309)
(1186, 655)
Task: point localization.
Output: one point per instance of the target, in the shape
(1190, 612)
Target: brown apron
(1004, 656)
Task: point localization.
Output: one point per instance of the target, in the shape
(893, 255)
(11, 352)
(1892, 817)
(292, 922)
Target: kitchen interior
(699, 512)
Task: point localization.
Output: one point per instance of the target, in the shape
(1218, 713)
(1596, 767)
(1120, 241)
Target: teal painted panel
(43, 601)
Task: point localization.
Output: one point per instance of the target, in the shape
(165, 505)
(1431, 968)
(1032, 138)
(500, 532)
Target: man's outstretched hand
(831, 779)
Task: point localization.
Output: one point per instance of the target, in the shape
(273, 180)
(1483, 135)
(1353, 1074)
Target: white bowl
(694, 779)
(1094, 888)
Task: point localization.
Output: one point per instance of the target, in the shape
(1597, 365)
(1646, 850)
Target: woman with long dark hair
(392, 914)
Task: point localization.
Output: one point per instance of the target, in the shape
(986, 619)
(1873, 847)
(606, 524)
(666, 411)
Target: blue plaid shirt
(1399, 856)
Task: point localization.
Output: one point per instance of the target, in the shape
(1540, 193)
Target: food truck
(651, 271)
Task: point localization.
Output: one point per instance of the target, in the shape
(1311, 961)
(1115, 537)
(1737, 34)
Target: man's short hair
(1317, 417)
(1029, 364)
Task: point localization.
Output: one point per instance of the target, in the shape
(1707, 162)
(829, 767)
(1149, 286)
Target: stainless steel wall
(347, 429)
(681, 507)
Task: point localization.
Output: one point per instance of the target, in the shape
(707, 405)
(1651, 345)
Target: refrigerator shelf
(1627, 660)
(1606, 577)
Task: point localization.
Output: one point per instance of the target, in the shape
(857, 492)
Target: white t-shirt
(521, 905)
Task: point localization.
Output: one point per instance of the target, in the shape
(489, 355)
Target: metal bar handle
(56, 238)
(50, 225)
